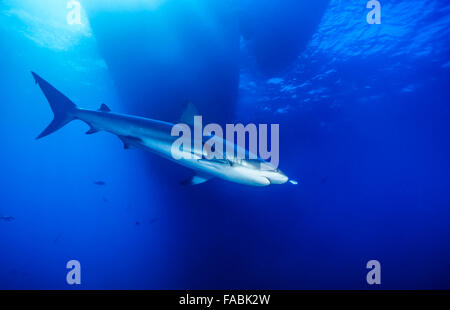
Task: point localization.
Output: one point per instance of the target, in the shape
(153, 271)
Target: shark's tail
(62, 106)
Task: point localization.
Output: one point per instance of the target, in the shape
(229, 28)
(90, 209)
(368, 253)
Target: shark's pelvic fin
(188, 115)
(129, 142)
(91, 131)
(195, 180)
(104, 108)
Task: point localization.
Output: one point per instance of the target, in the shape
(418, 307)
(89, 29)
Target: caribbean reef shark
(155, 136)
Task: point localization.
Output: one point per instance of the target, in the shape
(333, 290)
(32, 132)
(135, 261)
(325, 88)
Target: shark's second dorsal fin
(104, 108)
(188, 115)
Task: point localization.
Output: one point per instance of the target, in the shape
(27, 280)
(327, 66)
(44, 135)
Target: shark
(155, 136)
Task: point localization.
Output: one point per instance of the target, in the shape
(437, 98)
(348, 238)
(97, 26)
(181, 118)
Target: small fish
(7, 218)
(100, 183)
(293, 182)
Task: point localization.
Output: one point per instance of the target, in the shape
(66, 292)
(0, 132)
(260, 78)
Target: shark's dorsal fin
(188, 115)
(104, 108)
(196, 179)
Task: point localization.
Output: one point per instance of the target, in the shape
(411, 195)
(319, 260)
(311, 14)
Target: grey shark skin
(154, 136)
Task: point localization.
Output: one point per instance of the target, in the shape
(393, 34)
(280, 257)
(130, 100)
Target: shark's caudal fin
(62, 106)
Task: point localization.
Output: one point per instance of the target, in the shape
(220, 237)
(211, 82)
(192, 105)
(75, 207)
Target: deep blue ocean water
(364, 127)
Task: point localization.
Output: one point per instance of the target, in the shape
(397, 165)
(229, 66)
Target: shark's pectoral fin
(129, 142)
(196, 179)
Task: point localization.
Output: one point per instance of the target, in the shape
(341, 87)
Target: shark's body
(155, 136)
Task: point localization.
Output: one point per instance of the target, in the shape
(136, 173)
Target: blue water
(364, 127)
